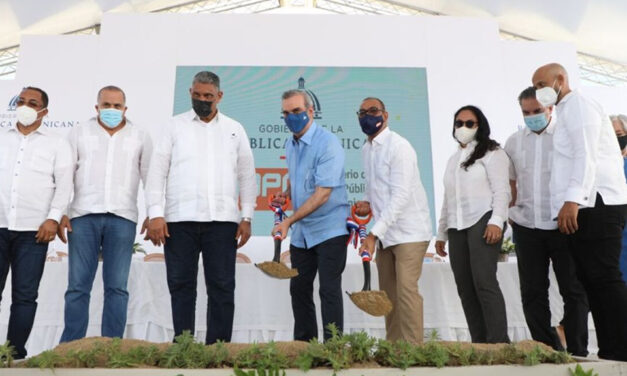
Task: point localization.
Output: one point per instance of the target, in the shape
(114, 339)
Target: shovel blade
(375, 303)
(277, 270)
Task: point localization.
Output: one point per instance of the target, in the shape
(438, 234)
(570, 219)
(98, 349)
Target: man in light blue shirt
(315, 161)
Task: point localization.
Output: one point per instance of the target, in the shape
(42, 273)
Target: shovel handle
(366, 265)
(277, 250)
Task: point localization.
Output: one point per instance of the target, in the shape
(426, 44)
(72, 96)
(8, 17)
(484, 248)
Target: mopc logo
(13, 103)
(269, 182)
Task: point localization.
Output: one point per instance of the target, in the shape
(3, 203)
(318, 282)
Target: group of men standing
(199, 180)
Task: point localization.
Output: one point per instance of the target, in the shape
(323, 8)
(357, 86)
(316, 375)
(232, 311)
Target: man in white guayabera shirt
(395, 194)
(200, 164)
(111, 155)
(35, 188)
(538, 241)
(589, 200)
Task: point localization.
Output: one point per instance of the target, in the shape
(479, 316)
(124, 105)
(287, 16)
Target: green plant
(435, 354)
(580, 372)
(185, 352)
(47, 359)
(6, 355)
(361, 346)
(508, 246)
(138, 248)
(261, 357)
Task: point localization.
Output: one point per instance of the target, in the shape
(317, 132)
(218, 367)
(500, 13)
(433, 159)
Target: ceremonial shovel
(375, 303)
(276, 268)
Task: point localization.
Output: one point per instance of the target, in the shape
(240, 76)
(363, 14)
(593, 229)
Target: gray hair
(206, 77)
(294, 92)
(622, 118)
(111, 88)
(375, 99)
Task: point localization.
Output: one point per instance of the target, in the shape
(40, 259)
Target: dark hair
(528, 93)
(484, 142)
(44, 96)
(111, 88)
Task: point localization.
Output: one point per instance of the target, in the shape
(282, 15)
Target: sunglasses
(467, 123)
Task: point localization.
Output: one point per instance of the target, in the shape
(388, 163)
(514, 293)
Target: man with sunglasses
(589, 201)
(35, 188)
(538, 241)
(397, 199)
(315, 162)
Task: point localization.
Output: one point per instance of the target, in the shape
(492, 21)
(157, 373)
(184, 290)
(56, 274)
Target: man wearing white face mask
(111, 155)
(589, 200)
(538, 242)
(35, 187)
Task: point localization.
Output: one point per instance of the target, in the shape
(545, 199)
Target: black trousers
(535, 250)
(216, 241)
(596, 248)
(474, 265)
(328, 260)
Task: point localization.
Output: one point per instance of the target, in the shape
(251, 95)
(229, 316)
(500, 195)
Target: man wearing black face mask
(619, 122)
(397, 199)
(202, 161)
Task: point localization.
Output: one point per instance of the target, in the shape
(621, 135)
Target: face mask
(111, 117)
(465, 135)
(547, 95)
(536, 122)
(26, 115)
(296, 122)
(622, 141)
(202, 108)
(371, 124)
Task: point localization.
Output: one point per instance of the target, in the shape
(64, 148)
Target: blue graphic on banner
(252, 96)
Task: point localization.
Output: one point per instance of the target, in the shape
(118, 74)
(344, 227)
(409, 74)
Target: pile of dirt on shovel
(375, 303)
(277, 269)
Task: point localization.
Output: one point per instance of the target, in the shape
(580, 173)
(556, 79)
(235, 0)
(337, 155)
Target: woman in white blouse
(476, 198)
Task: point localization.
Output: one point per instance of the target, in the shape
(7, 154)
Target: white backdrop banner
(465, 63)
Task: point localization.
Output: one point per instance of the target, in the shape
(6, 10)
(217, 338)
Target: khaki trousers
(399, 267)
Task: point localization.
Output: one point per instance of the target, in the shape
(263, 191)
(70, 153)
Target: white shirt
(108, 169)
(587, 158)
(202, 166)
(468, 195)
(393, 188)
(531, 155)
(35, 178)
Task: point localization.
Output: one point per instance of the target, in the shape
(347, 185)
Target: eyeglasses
(467, 123)
(372, 111)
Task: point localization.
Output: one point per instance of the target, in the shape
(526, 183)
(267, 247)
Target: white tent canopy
(596, 27)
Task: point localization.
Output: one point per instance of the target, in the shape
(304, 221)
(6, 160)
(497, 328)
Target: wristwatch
(247, 219)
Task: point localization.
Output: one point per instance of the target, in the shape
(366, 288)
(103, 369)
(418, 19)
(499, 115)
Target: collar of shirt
(41, 129)
(382, 137)
(196, 118)
(548, 130)
(566, 98)
(94, 121)
(308, 136)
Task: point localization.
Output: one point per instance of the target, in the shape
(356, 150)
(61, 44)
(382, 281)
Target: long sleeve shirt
(108, 169)
(469, 194)
(587, 158)
(201, 169)
(394, 190)
(35, 178)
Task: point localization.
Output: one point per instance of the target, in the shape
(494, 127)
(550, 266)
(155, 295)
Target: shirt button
(585, 198)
